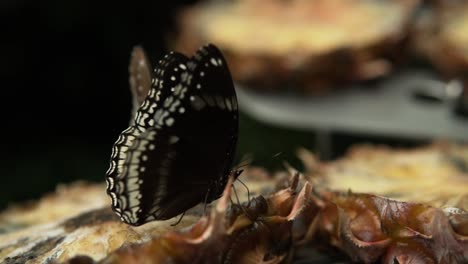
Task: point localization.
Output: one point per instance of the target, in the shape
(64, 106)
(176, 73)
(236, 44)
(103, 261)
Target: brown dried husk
(368, 228)
(258, 233)
(415, 214)
(302, 215)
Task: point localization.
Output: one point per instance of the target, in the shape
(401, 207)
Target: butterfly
(180, 145)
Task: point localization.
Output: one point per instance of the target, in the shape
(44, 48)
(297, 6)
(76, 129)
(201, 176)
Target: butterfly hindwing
(122, 171)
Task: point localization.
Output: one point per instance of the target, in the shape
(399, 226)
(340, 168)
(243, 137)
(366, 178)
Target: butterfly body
(179, 148)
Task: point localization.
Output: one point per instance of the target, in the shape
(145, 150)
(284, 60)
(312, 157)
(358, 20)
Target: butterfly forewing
(214, 100)
(180, 148)
(166, 76)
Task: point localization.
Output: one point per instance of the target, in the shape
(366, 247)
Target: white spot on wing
(111, 167)
(133, 173)
(113, 198)
(136, 157)
(170, 121)
(123, 202)
(173, 139)
(234, 103)
(228, 104)
(151, 93)
(160, 115)
(168, 101)
(220, 102)
(123, 148)
(110, 183)
(209, 100)
(197, 103)
(174, 105)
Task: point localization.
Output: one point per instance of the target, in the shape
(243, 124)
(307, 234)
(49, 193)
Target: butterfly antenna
(204, 201)
(180, 219)
(235, 193)
(249, 159)
(248, 191)
(230, 198)
(246, 160)
(278, 154)
(240, 205)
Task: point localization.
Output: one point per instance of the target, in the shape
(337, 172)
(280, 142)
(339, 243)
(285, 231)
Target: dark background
(65, 92)
(64, 85)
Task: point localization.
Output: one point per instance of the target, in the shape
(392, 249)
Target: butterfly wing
(180, 148)
(140, 78)
(204, 134)
(213, 97)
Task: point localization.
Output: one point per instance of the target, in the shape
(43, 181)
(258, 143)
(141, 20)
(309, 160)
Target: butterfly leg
(235, 193)
(180, 219)
(248, 191)
(205, 201)
(240, 205)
